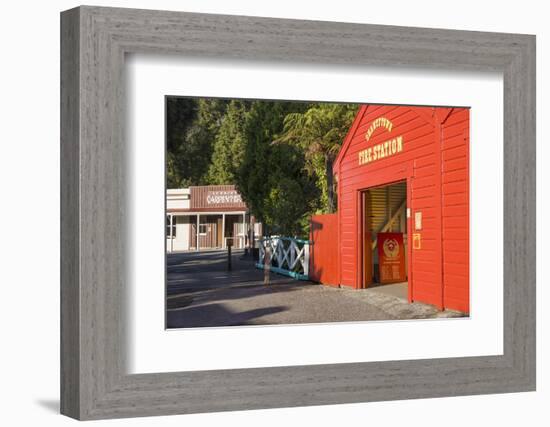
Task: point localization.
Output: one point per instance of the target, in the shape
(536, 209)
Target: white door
(181, 242)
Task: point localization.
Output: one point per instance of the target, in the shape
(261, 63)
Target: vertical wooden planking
(424, 159)
(70, 214)
(456, 208)
(324, 253)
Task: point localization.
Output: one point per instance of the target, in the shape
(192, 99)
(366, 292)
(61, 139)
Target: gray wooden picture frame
(94, 382)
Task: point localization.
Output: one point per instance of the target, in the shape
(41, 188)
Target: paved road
(202, 293)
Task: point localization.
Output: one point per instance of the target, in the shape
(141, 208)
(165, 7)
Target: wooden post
(229, 244)
(267, 256)
(252, 241)
(198, 235)
(171, 235)
(252, 237)
(306, 259)
(223, 230)
(245, 234)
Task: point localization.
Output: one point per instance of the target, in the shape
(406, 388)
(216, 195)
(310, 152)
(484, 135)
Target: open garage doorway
(384, 238)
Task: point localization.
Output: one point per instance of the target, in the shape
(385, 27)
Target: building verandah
(211, 230)
(208, 217)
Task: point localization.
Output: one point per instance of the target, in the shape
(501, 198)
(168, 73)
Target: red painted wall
(435, 163)
(323, 253)
(455, 200)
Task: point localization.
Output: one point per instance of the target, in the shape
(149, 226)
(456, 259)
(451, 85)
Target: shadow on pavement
(215, 315)
(200, 288)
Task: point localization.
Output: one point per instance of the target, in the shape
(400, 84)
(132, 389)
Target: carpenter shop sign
(216, 197)
(223, 197)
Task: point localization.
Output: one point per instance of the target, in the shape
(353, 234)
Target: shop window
(202, 229)
(173, 234)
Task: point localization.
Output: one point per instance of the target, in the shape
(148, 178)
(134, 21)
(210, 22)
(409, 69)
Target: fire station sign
(391, 257)
(383, 149)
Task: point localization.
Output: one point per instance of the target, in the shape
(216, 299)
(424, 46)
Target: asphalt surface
(202, 293)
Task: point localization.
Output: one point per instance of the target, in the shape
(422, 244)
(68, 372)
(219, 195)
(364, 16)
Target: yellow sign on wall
(382, 150)
(417, 243)
(379, 122)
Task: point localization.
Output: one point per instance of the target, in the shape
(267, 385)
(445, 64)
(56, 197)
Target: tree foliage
(319, 132)
(278, 154)
(191, 127)
(272, 177)
(229, 145)
(180, 113)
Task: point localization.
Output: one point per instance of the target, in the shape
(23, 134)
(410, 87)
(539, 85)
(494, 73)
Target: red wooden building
(403, 205)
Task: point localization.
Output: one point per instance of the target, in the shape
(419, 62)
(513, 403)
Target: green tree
(229, 145)
(319, 132)
(272, 177)
(180, 113)
(278, 154)
(291, 193)
(191, 128)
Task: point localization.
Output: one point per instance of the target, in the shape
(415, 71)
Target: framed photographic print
(347, 211)
(281, 184)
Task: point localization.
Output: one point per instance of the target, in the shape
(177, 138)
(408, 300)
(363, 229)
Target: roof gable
(349, 136)
(430, 114)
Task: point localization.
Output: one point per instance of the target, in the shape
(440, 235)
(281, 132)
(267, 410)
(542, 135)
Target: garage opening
(384, 239)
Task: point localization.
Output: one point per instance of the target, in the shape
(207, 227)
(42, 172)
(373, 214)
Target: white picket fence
(288, 256)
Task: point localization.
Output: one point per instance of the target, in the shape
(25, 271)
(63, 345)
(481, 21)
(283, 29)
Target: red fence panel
(323, 258)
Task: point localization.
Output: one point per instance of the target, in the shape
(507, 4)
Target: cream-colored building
(208, 217)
